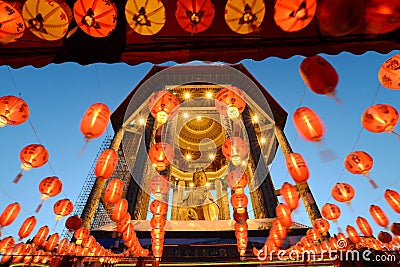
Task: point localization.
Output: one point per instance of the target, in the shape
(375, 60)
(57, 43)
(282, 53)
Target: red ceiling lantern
(389, 73)
(106, 164)
(239, 202)
(73, 223)
(283, 213)
(163, 106)
(194, 16)
(230, 101)
(27, 227)
(290, 195)
(321, 225)
(41, 235)
(294, 15)
(146, 17)
(12, 23)
(340, 17)
(9, 214)
(360, 162)
(379, 215)
(114, 191)
(123, 223)
(343, 192)
(235, 149)
(244, 17)
(63, 207)
(159, 185)
(52, 241)
(330, 212)
(96, 18)
(395, 228)
(161, 155)
(80, 234)
(119, 209)
(352, 234)
(95, 120)
(393, 199)
(384, 237)
(47, 19)
(49, 187)
(381, 16)
(158, 207)
(13, 110)
(364, 226)
(32, 156)
(380, 118)
(319, 75)
(308, 124)
(237, 180)
(297, 167)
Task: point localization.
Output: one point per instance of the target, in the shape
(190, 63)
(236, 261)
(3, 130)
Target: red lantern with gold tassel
(380, 118)
(364, 226)
(9, 214)
(393, 199)
(308, 124)
(163, 106)
(290, 195)
(360, 162)
(379, 215)
(114, 191)
(63, 207)
(49, 187)
(239, 202)
(297, 167)
(343, 192)
(13, 110)
(106, 164)
(95, 121)
(32, 156)
(160, 155)
(27, 227)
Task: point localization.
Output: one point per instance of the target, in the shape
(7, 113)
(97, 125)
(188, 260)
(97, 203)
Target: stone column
(305, 192)
(94, 197)
(222, 200)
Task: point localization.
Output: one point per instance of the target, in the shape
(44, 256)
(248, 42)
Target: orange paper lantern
(119, 209)
(381, 16)
(330, 212)
(63, 207)
(163, 106)
(360, 162)
(364, 226)
(239, 202)
(384, 237)
(159, 185)
(294, 15)
(308, 124)
(230, 101)
(52, 241)
(80, 234)
(380, 118)
(389, 73)
(393, 199)
(237, 180)
(297, 167)
(194, 16)
(283, 213)
(235, 149)
(106, 164)
(12, 23)
(9, 214)
(379, 215)
(290, 195)
(158, 207)
(321, 225)
(123, 223)
(49, 187)
(343, 192)
(27, 227)
(32, 156)
(395, 228)
(96, 18)
(244, 17)
(114, 191)
(73, 223)
(161, 155)
(13, 110)
(41, 235)
(95, 120)
(352, 234)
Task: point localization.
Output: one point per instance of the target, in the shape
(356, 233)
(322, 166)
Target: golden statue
(198, 204)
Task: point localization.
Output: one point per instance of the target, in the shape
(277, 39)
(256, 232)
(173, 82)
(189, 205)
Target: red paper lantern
(106, 164)
(313, 235)
(12, 24)
(123, 223)
(9, 214)
(161, 155)
(393, 199)
(395, 228)
(157, 222)
(49, 187)
(384, 237)
(32, 156)
(389, 73)
(343, 192)
(235, 149)
(114, 191)
(62, 246)
(339, 17)
(27, 227)
(95, 120)
(194, 16)
(330, 212)
(129, 233)
(96, 18)
(297, 167)
(360, 162)
(352, 234)
(41, 235)
(280, 229)
(13, 110)
(163, 106)
(283, 213)
(237, 180)
(158, 207)
(52, 241)
(88, 241)
(239, 202)
(290, 195)
(381, 16)
(364, 226)
(294, 15)
(230, 101)
(159, 185)
(80, 234)
(119, 209)
(379, 215)
(308, 124)
(73, 223)
(6, 243)
(321, 225)
(319, 75)
(63, 207)
(380, 118)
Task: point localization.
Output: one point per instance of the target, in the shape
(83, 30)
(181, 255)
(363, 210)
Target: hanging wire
(357, 139)
(100, 91)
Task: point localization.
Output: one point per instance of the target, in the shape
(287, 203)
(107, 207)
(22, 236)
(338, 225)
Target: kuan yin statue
(198, 203)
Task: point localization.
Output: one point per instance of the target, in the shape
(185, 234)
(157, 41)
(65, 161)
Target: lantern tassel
(393, 132)
(18, 177)
(84, 147)
(372, 182)
(333, 95)
(39, 207)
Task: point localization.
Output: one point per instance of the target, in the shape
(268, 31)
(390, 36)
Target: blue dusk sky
(58, 95)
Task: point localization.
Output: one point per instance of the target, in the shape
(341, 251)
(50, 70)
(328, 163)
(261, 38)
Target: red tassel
(16, 179)
(372, 182)
(38, 208)
(84, 147)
